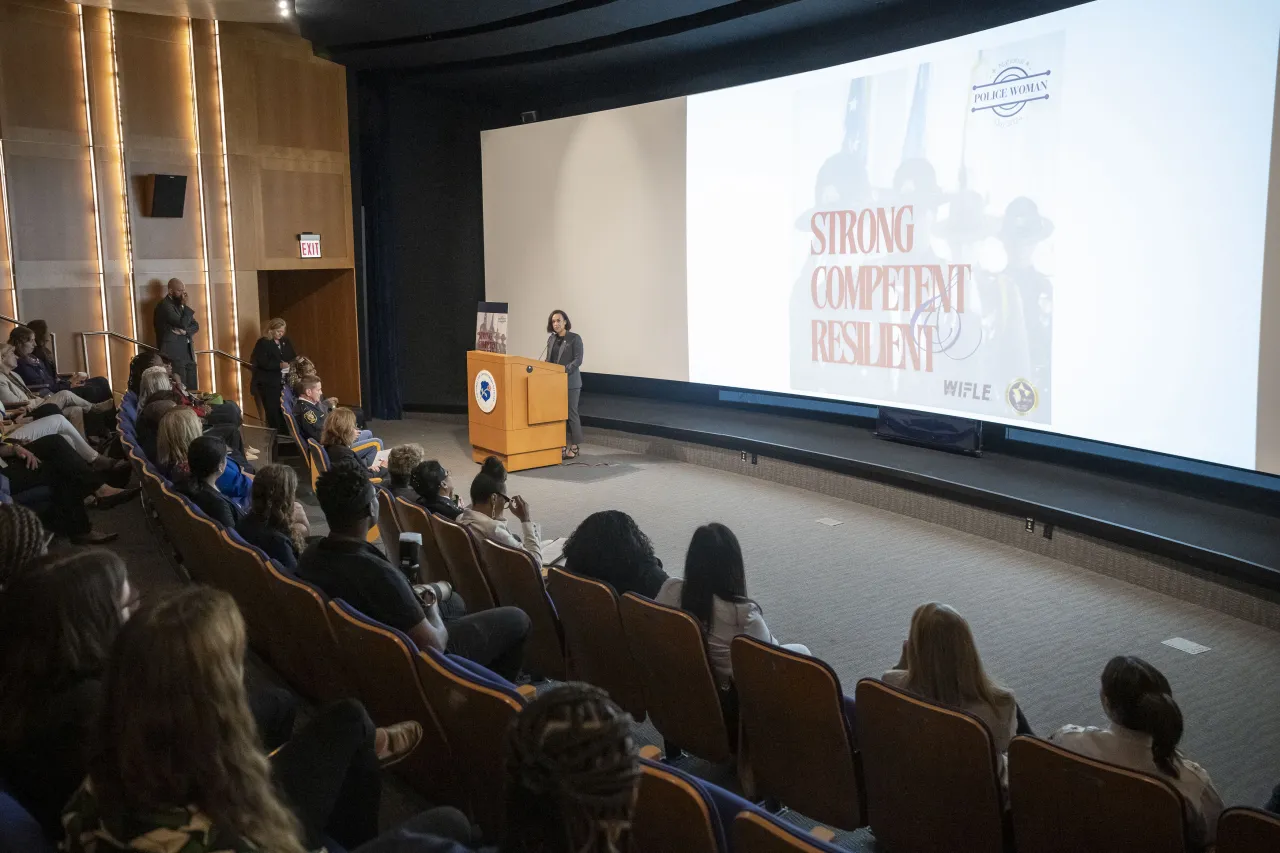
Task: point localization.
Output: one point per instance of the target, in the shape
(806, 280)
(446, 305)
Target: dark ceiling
(513, 47)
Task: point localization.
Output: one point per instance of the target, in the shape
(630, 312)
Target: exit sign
(310, 245)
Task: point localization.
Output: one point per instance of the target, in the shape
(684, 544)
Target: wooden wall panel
(296, 102)
(41, 86)
(320, 308)
(296, 200)
(285, 162)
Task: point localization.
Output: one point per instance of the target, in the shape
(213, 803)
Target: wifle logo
(1014, 86)
(1022, 396)
(486, 391)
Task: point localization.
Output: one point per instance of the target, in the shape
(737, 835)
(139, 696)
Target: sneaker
(402, 740)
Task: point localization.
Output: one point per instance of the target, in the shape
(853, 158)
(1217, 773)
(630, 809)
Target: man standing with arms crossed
(175, 323)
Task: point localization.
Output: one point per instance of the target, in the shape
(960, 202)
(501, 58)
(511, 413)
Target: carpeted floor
(1045, 628)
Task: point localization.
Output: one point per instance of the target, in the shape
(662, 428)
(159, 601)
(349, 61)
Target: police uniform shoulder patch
(309, 417)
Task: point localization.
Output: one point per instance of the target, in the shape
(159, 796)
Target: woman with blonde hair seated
(940, 662)
(178, 428)
(179, 764)
(339, 440)
(299, 369)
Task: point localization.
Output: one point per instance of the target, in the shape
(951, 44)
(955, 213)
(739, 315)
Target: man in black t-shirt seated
(346, 566)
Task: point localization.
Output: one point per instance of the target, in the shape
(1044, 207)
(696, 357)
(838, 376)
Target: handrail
(245, 364)
(53, 339)
(84, 343)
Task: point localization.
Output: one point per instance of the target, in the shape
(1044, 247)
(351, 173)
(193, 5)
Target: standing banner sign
(491, 327)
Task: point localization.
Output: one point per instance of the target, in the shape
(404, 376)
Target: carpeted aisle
(1045, 628)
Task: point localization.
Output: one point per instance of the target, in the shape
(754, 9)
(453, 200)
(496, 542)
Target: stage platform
(1234, 542)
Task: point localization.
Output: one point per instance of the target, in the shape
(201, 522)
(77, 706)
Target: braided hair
(22, 539)
(573, 773)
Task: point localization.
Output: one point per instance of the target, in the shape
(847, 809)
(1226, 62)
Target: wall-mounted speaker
(164, 196)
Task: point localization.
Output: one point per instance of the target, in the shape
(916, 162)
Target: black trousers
(492, 638)
(268, 397)
(328, 775)
(69, 479)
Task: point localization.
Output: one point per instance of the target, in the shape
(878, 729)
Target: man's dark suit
(172, 315)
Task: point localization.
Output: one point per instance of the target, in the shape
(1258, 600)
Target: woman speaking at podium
(565, 347)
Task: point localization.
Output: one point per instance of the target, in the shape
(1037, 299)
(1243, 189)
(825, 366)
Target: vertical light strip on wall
(226, 188)
(124, 179)
(8, 235)
(204, 223)
(93, 176)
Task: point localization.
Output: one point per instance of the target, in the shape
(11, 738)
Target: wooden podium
(517, 409)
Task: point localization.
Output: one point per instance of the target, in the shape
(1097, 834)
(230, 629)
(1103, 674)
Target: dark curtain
(384, 346)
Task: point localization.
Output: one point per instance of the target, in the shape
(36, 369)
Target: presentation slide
(1060, 224)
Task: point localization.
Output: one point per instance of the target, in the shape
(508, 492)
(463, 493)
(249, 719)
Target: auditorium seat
(1062, 801)
(932, 775)
(516, 581)
(679, 689)
(757, 832)
(308, 655)
(673, 812)
(461, 556)
(199, 543)
(415, 519)
(317, 460)
(253, 588)
(379, 662)
(475, 708)
(594, 638)
(19, 831)
(797, 745)
(389, 526)
(1247, 830)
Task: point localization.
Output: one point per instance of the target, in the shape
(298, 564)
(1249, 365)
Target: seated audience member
(299, 369)
(36, 367)
(60, 619)
(27, 429)
(276, 522)
(433, 490)
(180, 427)
(22, 540)
(338, 438)
(486, 516)
(15, 394)
(346, 566)
(153, 381)
(400, 464)
(940, 662)
(206, 460)
(49, 462)
(714, 591)
(609, 547)
(221, 416)
(179, 764)
(147, 426)
(493, 467)
(138, 365)
(1143, 733)
(1273, 804)
(573, 776)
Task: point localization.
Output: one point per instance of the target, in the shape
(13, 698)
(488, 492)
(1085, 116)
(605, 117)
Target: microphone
(545, 350)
